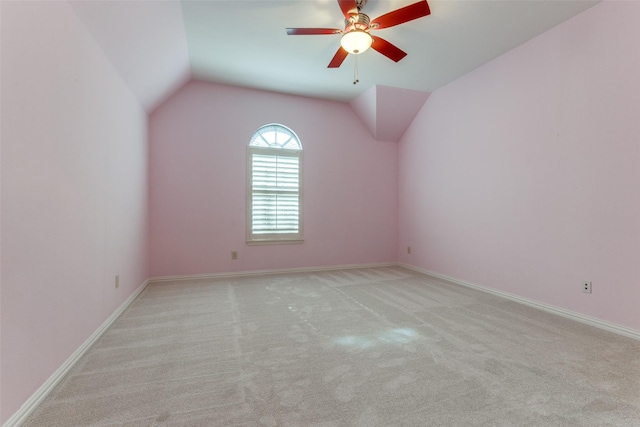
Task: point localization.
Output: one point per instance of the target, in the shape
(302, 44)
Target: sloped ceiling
(157, 45)
(388, 111)
(144, 40)
(244, 42)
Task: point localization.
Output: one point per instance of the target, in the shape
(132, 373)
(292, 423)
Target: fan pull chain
(355, 71)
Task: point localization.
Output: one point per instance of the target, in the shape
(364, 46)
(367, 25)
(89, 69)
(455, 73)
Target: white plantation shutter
(275, 196)
(274, 213)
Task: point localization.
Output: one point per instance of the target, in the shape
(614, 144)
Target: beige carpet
(366, 347)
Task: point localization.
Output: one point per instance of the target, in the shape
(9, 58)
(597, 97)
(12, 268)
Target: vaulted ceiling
(158, 45)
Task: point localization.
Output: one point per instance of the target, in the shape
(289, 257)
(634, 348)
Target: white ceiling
(158, 45)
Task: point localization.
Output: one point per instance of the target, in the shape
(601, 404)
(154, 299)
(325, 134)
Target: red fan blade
(387, 49)
(312, 31)
(338, 58)
(402, 15)
(348, 7)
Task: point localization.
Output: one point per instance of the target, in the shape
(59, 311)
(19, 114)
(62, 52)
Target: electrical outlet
(409, 250)
(117, 281)
(586, 287)
(234, 254)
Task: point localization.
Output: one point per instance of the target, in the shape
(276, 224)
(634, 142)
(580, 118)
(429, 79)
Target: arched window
(274, 213)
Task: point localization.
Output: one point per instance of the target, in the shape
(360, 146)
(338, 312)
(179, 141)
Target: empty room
(320, 213)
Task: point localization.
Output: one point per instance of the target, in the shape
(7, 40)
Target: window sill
(274, 242)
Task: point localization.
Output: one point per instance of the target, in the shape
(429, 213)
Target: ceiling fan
(356, 36)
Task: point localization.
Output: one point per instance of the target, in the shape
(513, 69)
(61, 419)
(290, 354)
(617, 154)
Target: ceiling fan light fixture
(356, 41)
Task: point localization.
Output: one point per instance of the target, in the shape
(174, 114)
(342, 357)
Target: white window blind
(274, 213)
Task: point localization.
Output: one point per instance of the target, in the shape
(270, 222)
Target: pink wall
(74, 184)
(524, 175)
(521, 176)
(197, 202)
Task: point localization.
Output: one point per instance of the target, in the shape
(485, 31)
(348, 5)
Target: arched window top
(275, 136)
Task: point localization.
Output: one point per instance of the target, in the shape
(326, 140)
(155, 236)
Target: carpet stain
(163, 417)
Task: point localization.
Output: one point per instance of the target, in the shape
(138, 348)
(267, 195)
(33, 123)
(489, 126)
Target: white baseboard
(32, 403)
(263, 272)
(598, 323)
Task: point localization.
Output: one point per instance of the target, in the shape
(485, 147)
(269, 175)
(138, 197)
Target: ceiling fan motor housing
(357, 22)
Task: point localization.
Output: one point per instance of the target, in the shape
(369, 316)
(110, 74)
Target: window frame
(274, 238)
